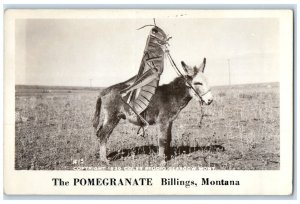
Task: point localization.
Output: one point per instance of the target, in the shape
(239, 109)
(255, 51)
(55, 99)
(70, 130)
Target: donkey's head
(200, 89)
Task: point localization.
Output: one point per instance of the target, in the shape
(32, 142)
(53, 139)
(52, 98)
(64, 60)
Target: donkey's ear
(184, 66)
(202, 66)
(187, 69)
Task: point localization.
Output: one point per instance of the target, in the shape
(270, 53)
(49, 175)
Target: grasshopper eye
(154, 30)
(198, 83)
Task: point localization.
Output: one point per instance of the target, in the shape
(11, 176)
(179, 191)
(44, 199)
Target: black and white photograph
(149, 91)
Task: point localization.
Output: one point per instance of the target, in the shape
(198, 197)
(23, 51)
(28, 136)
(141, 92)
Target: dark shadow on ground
(175, 151)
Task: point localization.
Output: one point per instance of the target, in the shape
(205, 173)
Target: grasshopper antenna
(145, 26)
(148, 25)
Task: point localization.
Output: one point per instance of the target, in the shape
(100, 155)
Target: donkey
(163, 109)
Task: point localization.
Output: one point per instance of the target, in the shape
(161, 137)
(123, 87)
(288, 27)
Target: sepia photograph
(150, 91)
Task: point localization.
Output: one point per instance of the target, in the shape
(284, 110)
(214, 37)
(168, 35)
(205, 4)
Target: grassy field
(238, 131)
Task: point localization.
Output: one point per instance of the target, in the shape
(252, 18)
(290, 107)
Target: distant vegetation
(35, 89)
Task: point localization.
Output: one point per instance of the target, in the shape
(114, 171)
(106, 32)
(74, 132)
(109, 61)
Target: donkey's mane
(176, 87)
(177, 83)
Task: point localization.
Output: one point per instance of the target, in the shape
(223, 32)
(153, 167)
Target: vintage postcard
(148, 102)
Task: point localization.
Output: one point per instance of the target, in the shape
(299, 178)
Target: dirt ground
(239, 131)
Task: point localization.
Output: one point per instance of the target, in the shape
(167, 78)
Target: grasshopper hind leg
(143, 127)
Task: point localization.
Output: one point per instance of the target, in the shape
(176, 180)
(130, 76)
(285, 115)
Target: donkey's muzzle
(207, 98)
(208, 102)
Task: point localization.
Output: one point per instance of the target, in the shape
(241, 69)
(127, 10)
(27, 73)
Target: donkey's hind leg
(103, 134)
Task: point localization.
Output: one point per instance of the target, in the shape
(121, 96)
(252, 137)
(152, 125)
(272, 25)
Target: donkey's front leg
(102, 152)
(164, 140)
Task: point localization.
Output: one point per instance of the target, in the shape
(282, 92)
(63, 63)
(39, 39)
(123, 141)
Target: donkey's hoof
(162, 163)
(104, 160)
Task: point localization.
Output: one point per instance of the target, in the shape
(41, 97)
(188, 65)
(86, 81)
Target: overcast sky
(107, 51)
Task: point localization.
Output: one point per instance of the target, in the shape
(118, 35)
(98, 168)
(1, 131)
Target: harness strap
(205, 93)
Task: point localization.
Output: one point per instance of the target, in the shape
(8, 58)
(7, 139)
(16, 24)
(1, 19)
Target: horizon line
(76, 86)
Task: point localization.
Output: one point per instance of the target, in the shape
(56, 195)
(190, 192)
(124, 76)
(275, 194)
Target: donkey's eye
(198, 83)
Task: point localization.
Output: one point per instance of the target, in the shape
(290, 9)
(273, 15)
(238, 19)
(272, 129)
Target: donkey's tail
(97, 113)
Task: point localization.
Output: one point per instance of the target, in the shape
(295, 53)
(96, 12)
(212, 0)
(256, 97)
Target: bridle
(199, 95)
(205, 93)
